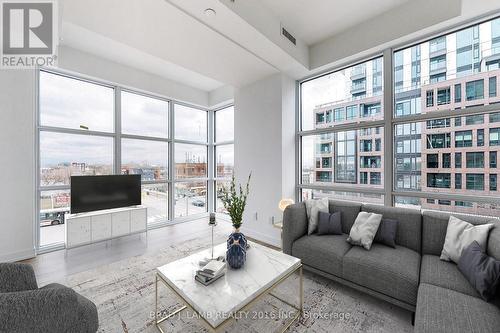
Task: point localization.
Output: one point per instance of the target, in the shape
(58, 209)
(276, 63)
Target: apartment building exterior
(460, 154)
(352, 157)
(455, 155)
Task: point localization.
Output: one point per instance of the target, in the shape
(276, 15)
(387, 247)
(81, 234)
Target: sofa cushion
(447, 311)
(481, 270)
(364, 229)
(435, 225)
(493, 247)
(409, 226)
(330, 224)
(444, 274)
(386, 233)
(322, 252)
(460, 234)
(349, 211)
(313, 207)
(393, 272)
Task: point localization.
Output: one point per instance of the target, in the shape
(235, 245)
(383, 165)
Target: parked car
(198, 203)
(52, 217)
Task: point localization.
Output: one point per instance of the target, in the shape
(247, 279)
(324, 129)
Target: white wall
(17, 162)
(376, 34)
(262, 146)
(288, 114)
(221, 96)
(77, 61)
(396, 27)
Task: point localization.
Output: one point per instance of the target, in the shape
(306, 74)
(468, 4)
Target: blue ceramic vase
(236, 250)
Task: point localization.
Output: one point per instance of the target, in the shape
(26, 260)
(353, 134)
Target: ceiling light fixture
(209, 12)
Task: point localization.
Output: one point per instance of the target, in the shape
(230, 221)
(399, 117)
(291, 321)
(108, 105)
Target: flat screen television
(90, 193)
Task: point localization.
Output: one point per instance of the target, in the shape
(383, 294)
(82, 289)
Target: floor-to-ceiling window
(144, 149)
(76, 137)
(87, 127)
(454, 135)
(223, 152)
(191, 161)
(441, 112)
(340, 158)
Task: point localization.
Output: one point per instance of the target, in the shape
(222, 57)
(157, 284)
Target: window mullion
(388, 128)
(171, 164)
(118, 132)
(211, 162)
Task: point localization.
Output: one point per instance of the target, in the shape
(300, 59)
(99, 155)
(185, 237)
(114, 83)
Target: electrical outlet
(256, 216)
(272, 219)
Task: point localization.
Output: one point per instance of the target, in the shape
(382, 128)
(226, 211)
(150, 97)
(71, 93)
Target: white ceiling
(315, 20)
(239, 45)
(85, 40)
(254, 29)
(177, 45)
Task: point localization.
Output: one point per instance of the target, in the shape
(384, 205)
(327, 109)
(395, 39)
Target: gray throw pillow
(459, 235)
(481, 270)
(386, 233)
(330, 224)
(313, 207)
(364, 229)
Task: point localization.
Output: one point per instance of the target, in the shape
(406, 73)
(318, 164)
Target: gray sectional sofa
(410, 276)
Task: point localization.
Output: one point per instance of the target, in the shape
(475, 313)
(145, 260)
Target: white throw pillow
(364, 229)
(313, 207)
(461, 234)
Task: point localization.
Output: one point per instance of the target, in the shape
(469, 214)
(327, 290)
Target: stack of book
(210, 272)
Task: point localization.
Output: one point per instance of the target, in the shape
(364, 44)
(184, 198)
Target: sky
(328, 88)
(144, 116)
(71, 103)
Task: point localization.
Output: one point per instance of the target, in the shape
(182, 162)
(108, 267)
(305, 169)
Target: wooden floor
(54, 266)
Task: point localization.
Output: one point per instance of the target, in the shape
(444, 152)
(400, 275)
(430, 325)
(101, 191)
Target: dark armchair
(53, 308)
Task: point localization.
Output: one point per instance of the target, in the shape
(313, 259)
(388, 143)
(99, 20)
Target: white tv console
(97, 226)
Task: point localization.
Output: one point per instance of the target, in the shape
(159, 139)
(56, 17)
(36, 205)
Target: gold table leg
(169, 315)
(299, 308)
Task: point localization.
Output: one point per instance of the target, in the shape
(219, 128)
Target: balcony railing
(436, 68)
(358, 72)
(368, 95)
(357, 88)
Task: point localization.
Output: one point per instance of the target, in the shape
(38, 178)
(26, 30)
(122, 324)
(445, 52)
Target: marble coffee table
(233, 294)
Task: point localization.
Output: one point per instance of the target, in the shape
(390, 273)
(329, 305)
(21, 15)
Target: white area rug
(124, 293)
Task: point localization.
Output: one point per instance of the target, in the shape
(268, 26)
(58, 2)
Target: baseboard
(264, 238)
(17, 256)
